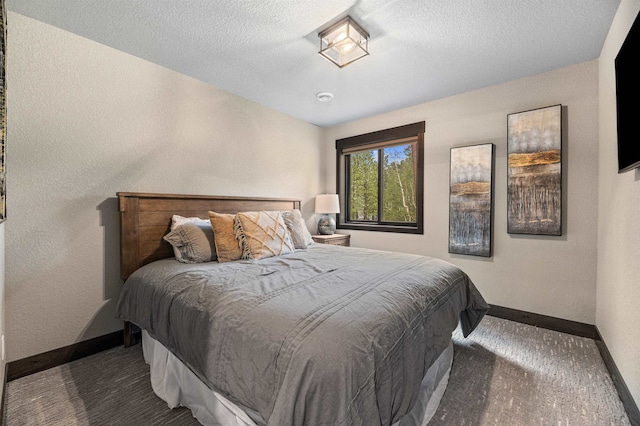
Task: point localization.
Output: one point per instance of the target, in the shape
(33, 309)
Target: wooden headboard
(146, 218)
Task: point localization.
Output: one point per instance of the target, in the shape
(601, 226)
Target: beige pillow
(228, 248)
(177, 243)
(263, 234)
(300, 235)
(193, 242)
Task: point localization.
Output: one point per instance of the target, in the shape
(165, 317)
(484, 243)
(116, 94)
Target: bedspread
(323, 336)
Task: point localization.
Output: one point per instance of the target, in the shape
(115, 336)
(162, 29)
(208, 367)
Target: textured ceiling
(266, 50)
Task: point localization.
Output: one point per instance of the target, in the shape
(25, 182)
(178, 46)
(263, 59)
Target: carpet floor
(505, 373)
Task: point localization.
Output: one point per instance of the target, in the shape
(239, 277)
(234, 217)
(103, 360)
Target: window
(380, 180)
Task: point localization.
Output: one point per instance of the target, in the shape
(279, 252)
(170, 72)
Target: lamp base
(326, 225)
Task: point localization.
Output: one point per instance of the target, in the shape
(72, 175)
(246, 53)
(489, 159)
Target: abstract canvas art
(471, 200)
(534, 173)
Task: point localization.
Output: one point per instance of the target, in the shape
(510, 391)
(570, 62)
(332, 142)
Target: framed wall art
(471, 200)
(534, 174)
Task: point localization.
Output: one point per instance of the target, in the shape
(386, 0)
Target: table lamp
(327, 204)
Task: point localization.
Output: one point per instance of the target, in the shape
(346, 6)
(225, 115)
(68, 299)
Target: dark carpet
(505, 373)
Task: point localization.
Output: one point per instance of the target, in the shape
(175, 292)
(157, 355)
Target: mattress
(324, 336)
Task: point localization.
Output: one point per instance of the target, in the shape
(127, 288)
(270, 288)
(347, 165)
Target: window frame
(377, 141)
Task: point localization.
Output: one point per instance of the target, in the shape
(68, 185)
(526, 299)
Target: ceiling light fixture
(344, 42)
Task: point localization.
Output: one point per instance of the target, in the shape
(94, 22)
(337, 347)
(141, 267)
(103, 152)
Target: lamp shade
(327, 203)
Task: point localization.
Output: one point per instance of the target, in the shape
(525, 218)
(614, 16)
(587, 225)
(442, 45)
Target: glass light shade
(327, 203)
(344, 42)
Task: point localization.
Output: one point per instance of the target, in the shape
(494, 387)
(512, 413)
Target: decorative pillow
(300, 235)
(228, 248)
(263, 234)
(193, 241)
(199, 242)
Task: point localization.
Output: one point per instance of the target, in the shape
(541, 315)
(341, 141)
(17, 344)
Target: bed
(323, 335)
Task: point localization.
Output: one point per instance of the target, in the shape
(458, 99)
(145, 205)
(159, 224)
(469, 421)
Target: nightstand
(335, 239)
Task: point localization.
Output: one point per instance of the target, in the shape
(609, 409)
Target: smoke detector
(324, 96)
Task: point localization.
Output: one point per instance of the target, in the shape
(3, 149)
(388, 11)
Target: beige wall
(2, 306)
(618, 294)
(546, 275)
(86, 121)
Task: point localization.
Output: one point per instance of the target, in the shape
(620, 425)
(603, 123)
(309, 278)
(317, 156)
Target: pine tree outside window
(380, 180)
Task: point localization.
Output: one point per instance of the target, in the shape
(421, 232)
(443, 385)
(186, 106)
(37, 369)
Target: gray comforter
(324, 336)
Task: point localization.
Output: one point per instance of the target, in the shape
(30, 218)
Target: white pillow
(297, 228)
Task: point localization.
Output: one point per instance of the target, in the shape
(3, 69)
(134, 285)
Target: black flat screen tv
(627, 99)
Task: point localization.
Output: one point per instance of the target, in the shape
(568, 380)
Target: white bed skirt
(178, 386)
